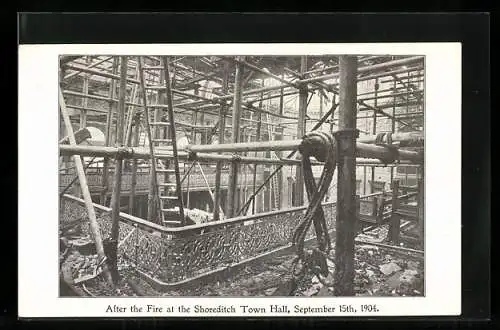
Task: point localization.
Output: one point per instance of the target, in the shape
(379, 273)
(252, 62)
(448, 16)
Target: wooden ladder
(168, 174)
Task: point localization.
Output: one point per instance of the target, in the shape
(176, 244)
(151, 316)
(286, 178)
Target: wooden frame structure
(205, 93)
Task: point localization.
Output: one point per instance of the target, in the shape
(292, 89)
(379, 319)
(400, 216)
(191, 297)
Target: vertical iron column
(233, 175)
(222, 130)
(115, 201)
(346, 178)
(301, 130)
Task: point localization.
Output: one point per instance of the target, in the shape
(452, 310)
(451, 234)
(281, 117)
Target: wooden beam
(94, 226)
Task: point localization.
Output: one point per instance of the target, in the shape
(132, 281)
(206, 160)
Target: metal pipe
(143, 153)
(363, 146)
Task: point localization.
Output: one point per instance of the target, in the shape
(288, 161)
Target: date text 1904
(369, 308)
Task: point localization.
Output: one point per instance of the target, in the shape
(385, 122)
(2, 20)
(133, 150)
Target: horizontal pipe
(363, 150)
(143, 153)
(285, 145)
(368, 68)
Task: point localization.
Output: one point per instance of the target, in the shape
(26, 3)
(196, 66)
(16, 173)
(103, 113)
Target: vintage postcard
(240, 180)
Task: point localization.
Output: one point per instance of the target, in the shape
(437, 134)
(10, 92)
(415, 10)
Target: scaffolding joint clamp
(124, 152)
(346, 133)
(192, 156)
(236, 158)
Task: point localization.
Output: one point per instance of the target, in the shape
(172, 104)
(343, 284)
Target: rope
(322, 146)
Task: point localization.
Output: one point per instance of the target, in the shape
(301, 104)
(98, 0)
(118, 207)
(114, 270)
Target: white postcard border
(38, 188)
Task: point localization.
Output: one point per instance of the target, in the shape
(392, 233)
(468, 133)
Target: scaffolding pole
(222, 130)
(301, 130)
(115, 200)
(233, 174)
(94, 226)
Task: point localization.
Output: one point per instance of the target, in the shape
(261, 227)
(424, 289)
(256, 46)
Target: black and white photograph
(242, 179)
(298, 175)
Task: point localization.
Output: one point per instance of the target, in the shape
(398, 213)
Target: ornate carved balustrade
(172, 255)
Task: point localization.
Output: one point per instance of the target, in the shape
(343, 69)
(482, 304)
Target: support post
(135, 143)
(395, 218)
(257, 138)
(374, 131)
(233, 175)
(115, 200)
(94, 226)
(109, 120)
(301, 130)
(194, 120)
(282, 103)
(357, 225)
(320, 105)
(346, 178)
(222, 130)
(83, 112)
(364, 180)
